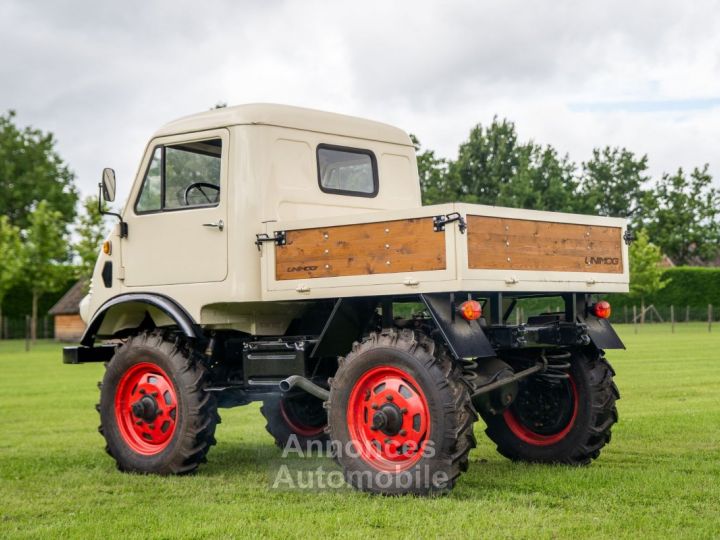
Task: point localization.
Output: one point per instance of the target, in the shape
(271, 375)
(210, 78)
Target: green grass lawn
(660, 476)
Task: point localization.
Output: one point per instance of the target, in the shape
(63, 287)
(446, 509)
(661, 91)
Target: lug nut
(403, 432)
(403, 410)
(139, 422)
(142, 391)
(389, 397)
(374, 406)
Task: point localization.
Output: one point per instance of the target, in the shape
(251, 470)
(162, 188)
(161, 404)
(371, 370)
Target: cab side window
(347, 171)
(182, 176)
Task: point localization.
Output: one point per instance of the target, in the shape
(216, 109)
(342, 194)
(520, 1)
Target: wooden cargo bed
(400, 252)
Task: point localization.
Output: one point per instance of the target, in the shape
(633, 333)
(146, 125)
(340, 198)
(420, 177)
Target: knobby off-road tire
(154, 412)
(408, 383)
(568, 421)
(303, 416)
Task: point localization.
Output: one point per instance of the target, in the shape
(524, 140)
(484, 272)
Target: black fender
(172, 309)
(466, 339)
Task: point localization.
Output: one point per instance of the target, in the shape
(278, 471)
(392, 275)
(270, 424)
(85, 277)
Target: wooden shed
(68, 324)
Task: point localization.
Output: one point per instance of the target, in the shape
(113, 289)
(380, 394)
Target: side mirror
(106, 193)
(108, 184)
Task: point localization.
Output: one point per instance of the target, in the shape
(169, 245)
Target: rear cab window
(347, 171)
(181, 176)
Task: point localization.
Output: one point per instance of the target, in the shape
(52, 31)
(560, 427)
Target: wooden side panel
(407, 245)
(518, 244)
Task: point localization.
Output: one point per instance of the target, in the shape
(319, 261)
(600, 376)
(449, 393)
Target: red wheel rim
(146, 408)
(528, 435)
(388, 418)
(296, 425)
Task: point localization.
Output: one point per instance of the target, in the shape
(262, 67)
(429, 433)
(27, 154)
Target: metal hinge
(280, 239)
(439, 222)
(629, 236)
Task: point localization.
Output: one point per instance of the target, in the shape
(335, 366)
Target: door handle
(220, 224)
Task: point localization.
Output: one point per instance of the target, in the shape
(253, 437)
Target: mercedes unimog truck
(282, 255)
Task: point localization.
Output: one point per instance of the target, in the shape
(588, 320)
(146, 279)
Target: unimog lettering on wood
(277, 254)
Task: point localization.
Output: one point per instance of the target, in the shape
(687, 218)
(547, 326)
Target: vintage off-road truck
(278, 254)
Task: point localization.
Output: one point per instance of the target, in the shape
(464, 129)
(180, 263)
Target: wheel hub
(146, 408)
(388, 419)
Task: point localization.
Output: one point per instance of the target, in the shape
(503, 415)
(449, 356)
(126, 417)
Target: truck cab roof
(287, 116)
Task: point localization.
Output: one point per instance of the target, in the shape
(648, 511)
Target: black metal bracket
(559, 333)
(439, 222)
(280, 239)
(629, 236)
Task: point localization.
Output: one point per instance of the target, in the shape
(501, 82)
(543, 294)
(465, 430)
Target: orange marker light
(470, 310)
(602, 309)
(107, 247)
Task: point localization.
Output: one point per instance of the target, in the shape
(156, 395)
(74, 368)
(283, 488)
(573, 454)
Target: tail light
(602, 309)
(470, 310)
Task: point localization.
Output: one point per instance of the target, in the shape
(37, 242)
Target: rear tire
(563, 421)
(302, 416)
(155, 414)
(400, 416)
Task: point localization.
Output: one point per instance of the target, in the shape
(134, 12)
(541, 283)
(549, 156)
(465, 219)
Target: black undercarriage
(245, 368)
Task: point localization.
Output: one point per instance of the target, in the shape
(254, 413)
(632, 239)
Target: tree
(10, 256)
(91, 232)
(31, 170)
(45, 256)
(682, 216)
(542, 181)
(645, 271)
(486, 161)
(433, 173)
(612, 184)
(494, 168)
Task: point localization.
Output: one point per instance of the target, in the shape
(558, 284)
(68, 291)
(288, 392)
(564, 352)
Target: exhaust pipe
(297, 381)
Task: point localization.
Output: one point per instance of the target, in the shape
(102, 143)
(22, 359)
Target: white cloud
(104, 76)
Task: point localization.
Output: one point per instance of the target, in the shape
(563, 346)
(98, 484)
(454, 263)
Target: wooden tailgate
(407, 245)
(499, 243)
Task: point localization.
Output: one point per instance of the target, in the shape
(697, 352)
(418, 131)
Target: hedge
(689, 286)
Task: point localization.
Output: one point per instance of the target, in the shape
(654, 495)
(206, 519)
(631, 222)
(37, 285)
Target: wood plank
(519, 244)
(408, 245)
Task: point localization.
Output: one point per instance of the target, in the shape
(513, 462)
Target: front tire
(400, 416)
(559, 420)
(154, 412)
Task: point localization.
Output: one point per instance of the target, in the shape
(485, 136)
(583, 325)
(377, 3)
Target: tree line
(48, 235)
(44, 240)
(679, 211)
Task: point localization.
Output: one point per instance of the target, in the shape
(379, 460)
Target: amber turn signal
(107, 247)
(602, 309)
(470, 310)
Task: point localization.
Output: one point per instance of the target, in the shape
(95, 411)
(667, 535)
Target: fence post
(6, 328)
(687, 313)
(709, 317)
(672, 318)
(635, 318)
(27, 332)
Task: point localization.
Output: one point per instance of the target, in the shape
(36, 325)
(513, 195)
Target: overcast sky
(103, 76)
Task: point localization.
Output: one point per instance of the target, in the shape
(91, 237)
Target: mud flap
(602, 334)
